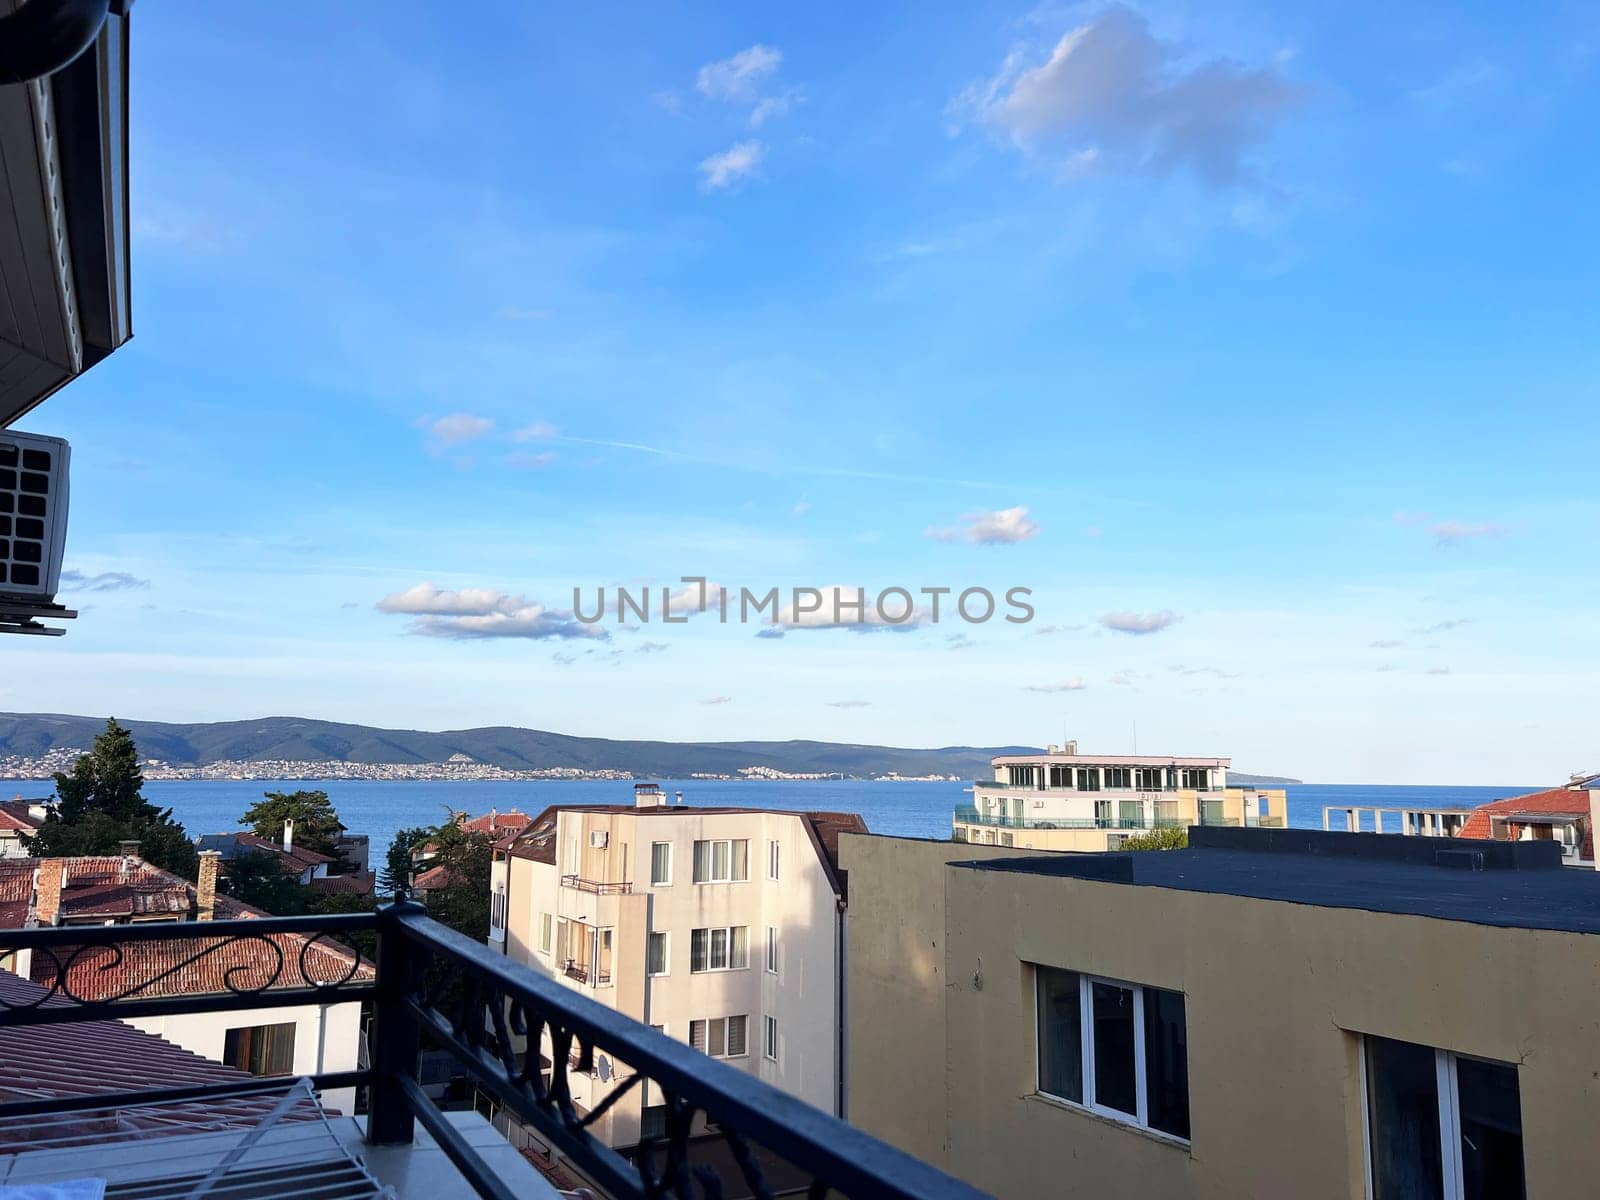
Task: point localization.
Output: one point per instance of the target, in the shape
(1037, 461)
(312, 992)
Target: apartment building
(1064, 800)
(1270, 1013)
(722, 927)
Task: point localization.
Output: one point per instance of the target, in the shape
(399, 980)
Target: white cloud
(849, 703)
(1139, 623)
(770, 108)
(733, 164)
(483, 613)
(106, 581)
(998, 528)
(1445, 626)
(459, 427)
(738, 79)
(836, 607)
(1074, 684)
(1111, 96)
(717, 700)
(1385, 644)
(651, 647)
(531, 462)
(539, 431)
(802, 507)
(1452, 533)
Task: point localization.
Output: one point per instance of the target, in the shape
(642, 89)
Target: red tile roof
(1552, 803)
(14, 817)
(361, 883)
(494, 824)
(96, 887)
(299, 857)
(432, 878)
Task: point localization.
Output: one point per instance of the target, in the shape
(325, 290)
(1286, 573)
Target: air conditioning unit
(599, 838)
(34, 472)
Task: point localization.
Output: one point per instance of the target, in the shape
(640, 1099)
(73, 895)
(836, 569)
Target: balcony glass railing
(438, 989)
(967, 815)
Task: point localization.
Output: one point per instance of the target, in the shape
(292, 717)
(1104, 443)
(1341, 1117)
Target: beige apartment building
(1063, 800)
(1270, 1013)
(723, 927)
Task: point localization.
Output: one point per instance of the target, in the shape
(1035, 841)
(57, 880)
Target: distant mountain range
(298, 739)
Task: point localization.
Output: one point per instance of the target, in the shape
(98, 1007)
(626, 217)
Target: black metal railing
(433, 986)
(596, 886)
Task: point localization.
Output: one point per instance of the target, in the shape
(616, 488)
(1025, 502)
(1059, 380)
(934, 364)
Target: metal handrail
(971, 816)
(492, 1016)
(595, 886)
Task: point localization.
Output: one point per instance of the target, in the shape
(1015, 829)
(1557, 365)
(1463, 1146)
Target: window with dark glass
(1118, 1048)
(1119, 777)
(260, 1049)
(1088, 779)
(1441, 1124)
(1149, 779)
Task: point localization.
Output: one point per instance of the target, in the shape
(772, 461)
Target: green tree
(363, 941)
(101, 804)
(463, 903)
(257, 878)
(396, 872)
(316, 824)
(1172, 838)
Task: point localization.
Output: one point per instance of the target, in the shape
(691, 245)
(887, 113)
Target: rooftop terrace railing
(968, 815)
(437, 986)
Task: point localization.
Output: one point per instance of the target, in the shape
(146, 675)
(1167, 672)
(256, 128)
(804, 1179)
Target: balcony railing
(437, 987)
(584, 974)
(596, 887)
(967, 815)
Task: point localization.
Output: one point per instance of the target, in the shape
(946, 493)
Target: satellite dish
(604, 1069)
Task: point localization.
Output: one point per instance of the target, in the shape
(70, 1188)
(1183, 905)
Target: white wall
(327, 1037)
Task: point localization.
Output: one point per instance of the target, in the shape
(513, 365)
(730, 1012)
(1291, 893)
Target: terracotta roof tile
(1552, 802)
(362, 883)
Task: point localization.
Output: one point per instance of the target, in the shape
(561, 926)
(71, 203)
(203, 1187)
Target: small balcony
(596, 887)
(585, 974)
(438, 991)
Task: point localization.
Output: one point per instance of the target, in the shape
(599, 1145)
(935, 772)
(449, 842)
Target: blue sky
(1278, 323)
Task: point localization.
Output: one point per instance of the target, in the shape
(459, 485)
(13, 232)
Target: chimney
(130, 855)
(47, 891)
(205, 897)
(648, 795)
(288, 834)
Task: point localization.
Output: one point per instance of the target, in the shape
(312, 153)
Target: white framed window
(722, 861)
(1439, 1123)
(772, 950)
(770, 1041)
(1117, 1049)
(497, 913)
(720, 1037)
(725, 948)
(657, 954)
(660, 864)
(546, 936)
(773, 848)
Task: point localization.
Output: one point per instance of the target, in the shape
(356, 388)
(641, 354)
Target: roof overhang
(64, 259)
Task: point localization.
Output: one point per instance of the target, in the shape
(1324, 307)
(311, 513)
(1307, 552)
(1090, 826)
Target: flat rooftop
(1514, 885)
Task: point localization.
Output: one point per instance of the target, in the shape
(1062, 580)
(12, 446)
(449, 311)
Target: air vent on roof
(33, 528)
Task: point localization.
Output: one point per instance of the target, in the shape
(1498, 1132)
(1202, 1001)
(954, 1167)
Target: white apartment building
(1064, 800)
(719, 926)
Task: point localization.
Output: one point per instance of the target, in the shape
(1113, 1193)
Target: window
(653, 1122)
(1198, 778)
(545, 937)
(1149, 779)
(1119, 777)
(722, 949)
(772, 860)
(1088, 779)
(771, 1044)
(497, 912)
(1440, 1124)
(720, 1037)
(660, 864)
(722, 861)
(1060, 777)
(656, 954)
(1022, 777)
(772, 950)
(1130, 813)
(260, 1049)
(1117, 1048)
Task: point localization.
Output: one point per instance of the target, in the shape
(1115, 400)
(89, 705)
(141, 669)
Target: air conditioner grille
(32, 512)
